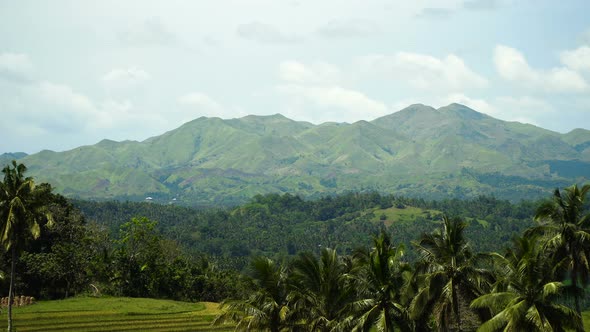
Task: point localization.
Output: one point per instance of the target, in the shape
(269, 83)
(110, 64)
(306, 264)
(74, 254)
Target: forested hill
(419, 151)
(282, 225)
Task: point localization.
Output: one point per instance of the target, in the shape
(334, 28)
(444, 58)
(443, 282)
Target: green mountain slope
(419, 151)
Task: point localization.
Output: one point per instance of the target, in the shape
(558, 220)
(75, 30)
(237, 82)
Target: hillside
(418, 151)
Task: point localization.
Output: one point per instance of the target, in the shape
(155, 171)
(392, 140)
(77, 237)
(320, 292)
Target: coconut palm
(566, 227)
(380, 281)
(22, 205)
(265, 309)
(449, 276)
(525, 298)
(321, 292)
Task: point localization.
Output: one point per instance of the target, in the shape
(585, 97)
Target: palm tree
(321, 292)
(380, 281)
(567, 231)
(450, 278)
(22, 205)
(265, 309)
(524, 298)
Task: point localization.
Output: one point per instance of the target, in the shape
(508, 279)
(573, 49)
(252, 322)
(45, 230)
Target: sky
(75, 72)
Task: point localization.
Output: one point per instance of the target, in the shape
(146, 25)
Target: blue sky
(75, 72)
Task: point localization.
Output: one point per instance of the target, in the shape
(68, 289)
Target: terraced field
(116, 314)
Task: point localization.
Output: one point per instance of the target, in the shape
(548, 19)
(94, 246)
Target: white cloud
(348, 28)
(524, 109)
(265, 33)
(315, 73)
(336, 103)
(512, 66)
(578, 59)
(479, 105)
(65, 97)
(57, 107)
(151, 32)
(15, 67)
(125, 78)
(315, 93)
(424, 71)
(199, 104)
(526, 105)
(200, 100)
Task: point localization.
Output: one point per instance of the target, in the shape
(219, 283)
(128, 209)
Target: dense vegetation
(282, 225)
(450, 287)
(384, 261)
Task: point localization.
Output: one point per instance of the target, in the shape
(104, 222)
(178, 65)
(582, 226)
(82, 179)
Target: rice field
(115, 314)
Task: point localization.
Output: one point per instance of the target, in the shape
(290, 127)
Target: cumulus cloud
(199, 100)
(63, 109)
(151, 32)
(315, 73)
(524, 109)
(348, 28)
(480, 105)
(578, 59)
(315, 93)
(265, 33)
(424, 71)
(125, 77)
(199, 104)
(335, 103)
(15, 67)
(512, 66)
(526, 105)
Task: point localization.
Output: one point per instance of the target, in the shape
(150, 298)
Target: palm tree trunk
(576, 294)
(456, 305)
(11, 289)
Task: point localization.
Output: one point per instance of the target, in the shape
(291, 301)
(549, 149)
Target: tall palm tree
(525, 298)
(566, 227)
(265, 309)
(380, 281)
(22, 205)
(450, 277)
(321, 292)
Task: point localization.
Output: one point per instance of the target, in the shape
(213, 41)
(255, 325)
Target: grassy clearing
(116, 314)
(586, 320)
(407, 214)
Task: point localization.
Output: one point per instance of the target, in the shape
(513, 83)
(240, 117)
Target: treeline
(72, 257)
(537, 284)
(281, 225)
(52, 252)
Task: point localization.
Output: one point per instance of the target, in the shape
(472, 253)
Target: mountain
(6, 158)
(418, 151)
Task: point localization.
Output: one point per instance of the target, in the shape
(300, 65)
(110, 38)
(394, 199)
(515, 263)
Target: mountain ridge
(417, 151)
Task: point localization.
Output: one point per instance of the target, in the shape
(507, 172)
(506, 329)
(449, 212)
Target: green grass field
(124, 314)
(115, 314)
(407, 214)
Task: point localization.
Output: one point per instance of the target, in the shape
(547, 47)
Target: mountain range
(453, 151)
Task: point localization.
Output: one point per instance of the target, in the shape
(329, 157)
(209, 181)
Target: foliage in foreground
(449, 288)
